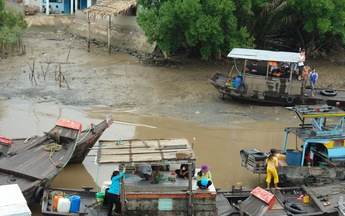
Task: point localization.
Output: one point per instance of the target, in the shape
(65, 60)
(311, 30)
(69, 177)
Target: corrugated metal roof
(263, 55)
(144, 151)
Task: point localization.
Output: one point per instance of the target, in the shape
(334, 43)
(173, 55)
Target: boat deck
(326, 196)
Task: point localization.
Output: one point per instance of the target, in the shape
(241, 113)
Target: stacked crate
(256, 164)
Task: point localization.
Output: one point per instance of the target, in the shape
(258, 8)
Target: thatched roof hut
(113, 8)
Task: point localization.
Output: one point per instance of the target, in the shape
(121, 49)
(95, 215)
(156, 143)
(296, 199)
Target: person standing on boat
(272, 165)
(301, 60)
(204, 177)
(313, 76)
(113, 195)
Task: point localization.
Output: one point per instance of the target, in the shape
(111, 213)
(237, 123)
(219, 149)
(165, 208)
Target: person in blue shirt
(113, 194)
(313, 78)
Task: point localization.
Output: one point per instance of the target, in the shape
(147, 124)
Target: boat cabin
(170, 195)
(322, 134)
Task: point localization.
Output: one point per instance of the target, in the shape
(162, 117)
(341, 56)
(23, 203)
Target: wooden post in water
(109, 34)
(88, 36)
(122, 194)
(190, 189)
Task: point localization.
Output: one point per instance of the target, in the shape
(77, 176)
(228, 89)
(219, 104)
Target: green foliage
(12, 25)
(206, 27)
(324, 19)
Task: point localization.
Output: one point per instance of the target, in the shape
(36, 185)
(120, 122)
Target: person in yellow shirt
(204, 177)
(272, 165)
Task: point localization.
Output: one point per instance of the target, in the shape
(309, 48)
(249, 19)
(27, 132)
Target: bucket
(293, 157)
(55, 202)
(306, 199)
(100, 197)
(75, 204)
(238, 80)
(64, 204)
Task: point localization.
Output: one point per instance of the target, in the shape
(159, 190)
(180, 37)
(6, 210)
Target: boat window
(256, 67)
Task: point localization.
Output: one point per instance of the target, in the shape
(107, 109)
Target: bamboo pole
(109, 32)
(88, 36)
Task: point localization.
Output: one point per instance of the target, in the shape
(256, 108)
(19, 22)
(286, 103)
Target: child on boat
(204, 177)
(272, 165)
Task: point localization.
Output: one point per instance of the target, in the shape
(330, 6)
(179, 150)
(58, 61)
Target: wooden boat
(86, 140)
(301, 200)
(318, 154)
(255, 82)
(35, 165)
(141, 197)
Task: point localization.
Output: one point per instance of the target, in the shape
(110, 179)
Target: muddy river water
(146, 101)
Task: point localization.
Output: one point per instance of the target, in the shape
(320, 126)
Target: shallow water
(218, 147)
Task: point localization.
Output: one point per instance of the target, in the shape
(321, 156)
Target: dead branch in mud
(32, 69)
(44, 72)
(61, 77)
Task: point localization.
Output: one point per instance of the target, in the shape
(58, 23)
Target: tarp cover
(263, 55)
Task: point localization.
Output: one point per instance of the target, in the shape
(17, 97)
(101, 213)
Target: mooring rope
(53, 147)
(87, 132)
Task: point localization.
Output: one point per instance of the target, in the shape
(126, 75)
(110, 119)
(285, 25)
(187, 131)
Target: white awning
(263, 55)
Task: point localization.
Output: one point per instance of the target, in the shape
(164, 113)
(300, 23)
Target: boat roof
(139, 151)
(263, 55)
(315, 111)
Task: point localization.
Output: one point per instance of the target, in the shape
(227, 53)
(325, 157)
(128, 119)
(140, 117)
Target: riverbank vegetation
(210, 28)
(12, 26)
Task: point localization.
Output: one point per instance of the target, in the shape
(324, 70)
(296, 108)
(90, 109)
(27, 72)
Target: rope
(52, 147)
(236, 66)
(52, 194)
(87, 132)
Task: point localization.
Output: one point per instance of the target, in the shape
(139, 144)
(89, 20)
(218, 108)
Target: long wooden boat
(35, 165)
(253, 81)
(317, 154)
(87, 139)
